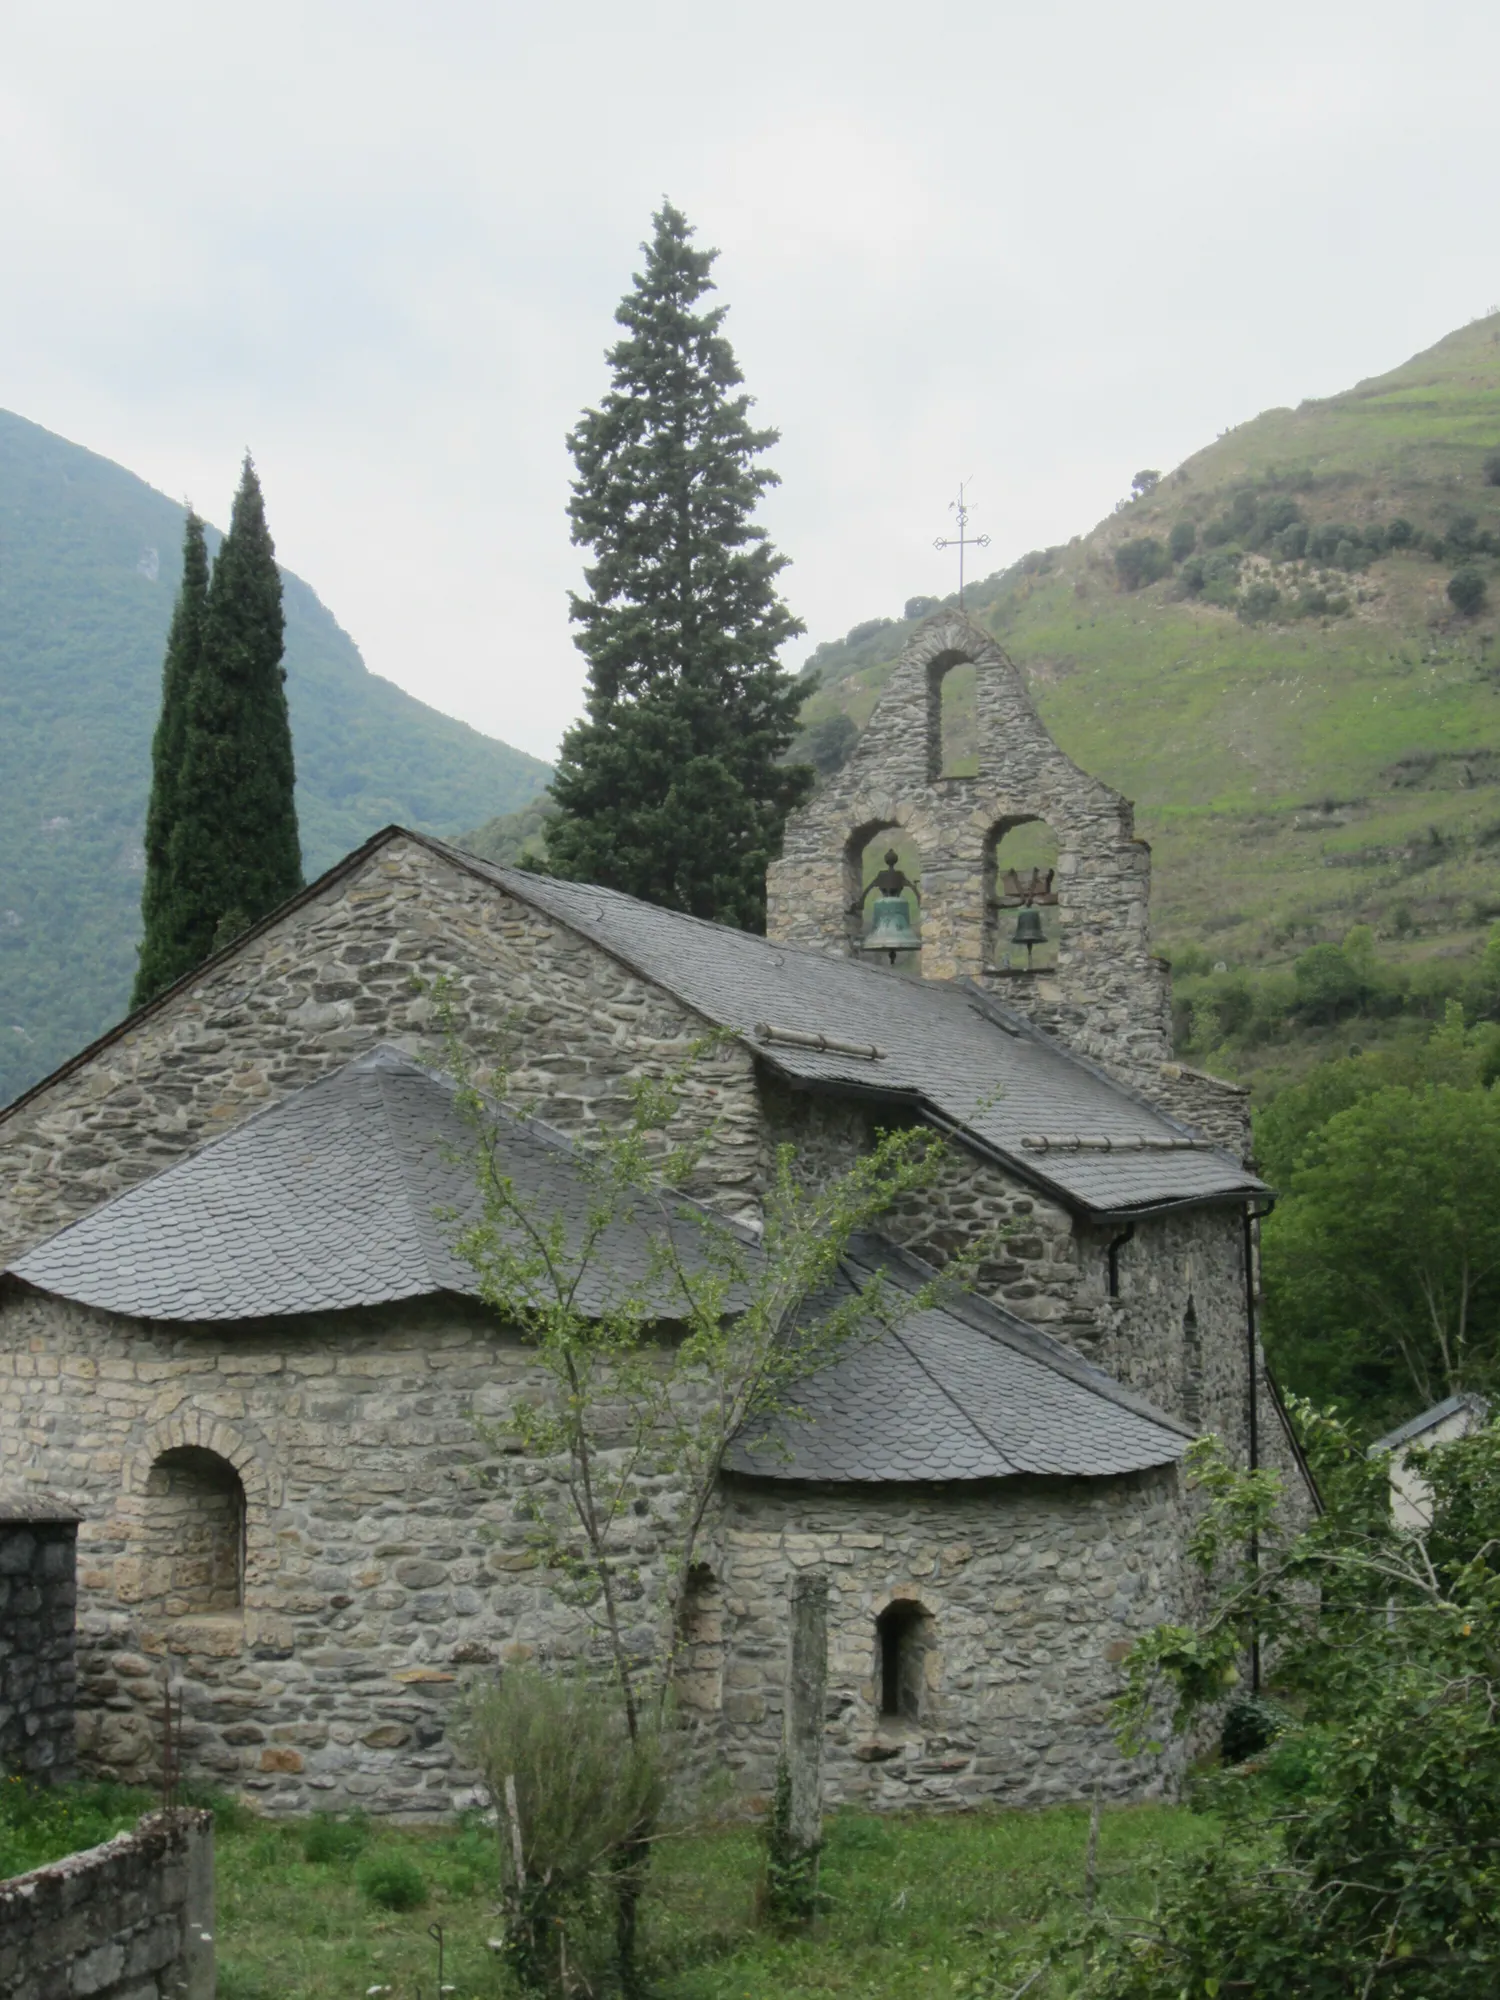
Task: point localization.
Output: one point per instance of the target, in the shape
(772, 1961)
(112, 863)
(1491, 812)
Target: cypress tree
(164, 955)
(672, 786)
(234, 853)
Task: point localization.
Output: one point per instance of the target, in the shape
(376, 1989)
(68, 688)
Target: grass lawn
(918, 1907)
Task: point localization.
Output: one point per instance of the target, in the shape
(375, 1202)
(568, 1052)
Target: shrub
(1291, 544)
(1144, 483)
(1141, 561)
(1193, 576)
(1221, 577)
(586, 1795)
(1217, 532)
(1400, 534)
(1244, 513)
(827, 743)
(326, 1838)
(1491, 468)
(392, 1881)
(1466, 591)
(1274, 515)
(1261, 601)
(1182, 541)
(1462, 535)
(921, 607)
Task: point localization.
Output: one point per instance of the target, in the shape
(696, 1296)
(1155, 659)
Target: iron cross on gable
(961, 541)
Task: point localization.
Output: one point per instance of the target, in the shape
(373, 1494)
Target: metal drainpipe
(1117, 1244)
(1251, 1216)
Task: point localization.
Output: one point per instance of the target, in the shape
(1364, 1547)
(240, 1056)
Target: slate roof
(945, 1047)
(1428, 1420)
(332, 1199)
(961, 1390)
(327, 1200)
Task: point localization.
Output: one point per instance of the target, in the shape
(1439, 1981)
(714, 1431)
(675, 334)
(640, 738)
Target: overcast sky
(1039, 245)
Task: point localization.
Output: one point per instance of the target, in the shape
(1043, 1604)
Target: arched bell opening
(952, 718)
(883, 895)
(1021, 909)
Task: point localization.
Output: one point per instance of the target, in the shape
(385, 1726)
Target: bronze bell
(1029, 931)
(891, 928)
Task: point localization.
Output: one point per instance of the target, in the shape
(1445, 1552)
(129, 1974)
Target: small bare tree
(661, 1331)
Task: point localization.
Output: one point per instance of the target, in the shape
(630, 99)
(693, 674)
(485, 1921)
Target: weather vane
(961, 541)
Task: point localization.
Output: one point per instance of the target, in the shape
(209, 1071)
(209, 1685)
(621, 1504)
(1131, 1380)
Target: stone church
(235, 1340)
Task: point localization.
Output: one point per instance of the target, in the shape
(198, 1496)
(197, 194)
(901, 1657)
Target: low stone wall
(130, 1920)
(38, 1597)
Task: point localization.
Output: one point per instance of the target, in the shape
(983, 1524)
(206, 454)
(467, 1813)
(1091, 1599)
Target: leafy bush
(921, 607)
(1400, 534)
(586, 1795)
(1144, 483)
(327, 1838)
(1466, 591)
(392, 1881)
(1141, 561)
(827, 743)
(1262, 600)
(1182, 541)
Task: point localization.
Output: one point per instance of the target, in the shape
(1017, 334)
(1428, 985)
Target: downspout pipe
(1252, 1215)
(1116, 1245)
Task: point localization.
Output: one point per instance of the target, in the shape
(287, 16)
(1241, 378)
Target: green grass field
(918, 1908)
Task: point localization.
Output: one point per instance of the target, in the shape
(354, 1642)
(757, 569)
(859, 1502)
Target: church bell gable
(1064, 936)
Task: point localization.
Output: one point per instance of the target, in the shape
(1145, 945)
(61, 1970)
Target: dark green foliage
(1250, 1727)
(1141, 561)
(328, 1839)
(1466, 591)
(1182, 541)
(826, 745)
(1144, 483)
(88, 575)
(1400, 534)
(391, 1881)
(1358, 1853)
(165, 947)
(792, 1898)
(1259, 602)
(234, 853)
(914, 607)
(673, 788)
(1491, 468)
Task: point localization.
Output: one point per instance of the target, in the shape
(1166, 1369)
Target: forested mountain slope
(89, 562)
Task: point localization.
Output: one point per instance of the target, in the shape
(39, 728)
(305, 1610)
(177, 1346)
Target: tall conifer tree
(672, 787)
(164, 952)
(233, 853)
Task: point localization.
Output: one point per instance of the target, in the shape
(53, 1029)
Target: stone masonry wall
(390, 1560)
(388, 1544)
(1112, 992)
(332, 979)
(37, 1673)
(132, 1919)
(1029, 1593)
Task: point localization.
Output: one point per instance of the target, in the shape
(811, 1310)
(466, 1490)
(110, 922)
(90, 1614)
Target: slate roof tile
(331, 1200)
(947, 1045)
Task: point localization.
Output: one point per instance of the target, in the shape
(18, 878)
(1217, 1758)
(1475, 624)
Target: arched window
(952, 718)
(1020, 873)
(865, 858)
(903, 1638)
(193, 1534)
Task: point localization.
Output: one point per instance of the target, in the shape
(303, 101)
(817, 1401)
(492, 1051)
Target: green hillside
(1312, 740)
(89, 560)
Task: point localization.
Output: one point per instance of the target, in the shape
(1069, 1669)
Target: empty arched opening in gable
(904, 1634)
(1020, 873)
(952, 717)
(865, 855)
(193, 1534)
